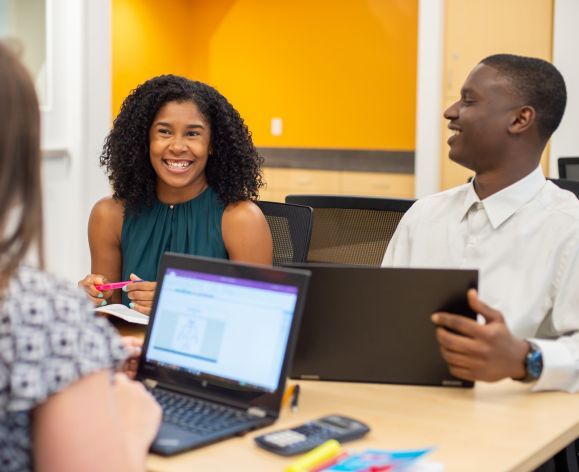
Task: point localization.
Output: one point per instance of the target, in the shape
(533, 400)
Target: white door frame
(74, 127)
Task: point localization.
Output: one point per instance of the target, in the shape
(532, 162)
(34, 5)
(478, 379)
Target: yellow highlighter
(316, 456)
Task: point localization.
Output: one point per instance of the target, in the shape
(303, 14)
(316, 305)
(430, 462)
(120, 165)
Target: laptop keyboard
(198, 416)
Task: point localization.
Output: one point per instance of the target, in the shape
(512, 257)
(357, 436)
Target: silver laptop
(218, 346)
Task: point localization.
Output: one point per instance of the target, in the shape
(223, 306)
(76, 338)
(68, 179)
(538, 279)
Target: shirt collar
(502, 205)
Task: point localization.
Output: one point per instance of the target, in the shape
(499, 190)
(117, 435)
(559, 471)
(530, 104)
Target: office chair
(568, 168)
(571, 185)
(351, 230)
(291, 229)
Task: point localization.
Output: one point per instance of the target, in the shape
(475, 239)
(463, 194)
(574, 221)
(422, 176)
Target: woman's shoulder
(246, 233)
(108, 213)
(39, 302)
(28, 278)
(243, 209)
(244, 213)
(50, 338)
(108, 208)
(38, 297)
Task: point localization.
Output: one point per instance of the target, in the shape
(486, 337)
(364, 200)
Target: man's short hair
(539, 83)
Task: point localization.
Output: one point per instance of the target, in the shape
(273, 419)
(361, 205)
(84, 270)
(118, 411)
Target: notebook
(218, 346)
(123, 312)
(371, 324)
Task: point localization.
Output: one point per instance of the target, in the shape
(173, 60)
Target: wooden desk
(493, 427)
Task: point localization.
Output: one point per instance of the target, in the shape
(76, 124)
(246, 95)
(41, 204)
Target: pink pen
(114, 285)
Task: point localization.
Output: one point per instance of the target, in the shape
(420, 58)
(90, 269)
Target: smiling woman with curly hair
(184, 173)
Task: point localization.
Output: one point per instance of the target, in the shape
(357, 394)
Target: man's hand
(486, 352)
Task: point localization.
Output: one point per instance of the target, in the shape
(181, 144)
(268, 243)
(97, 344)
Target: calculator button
(337, 421)
(285, 438)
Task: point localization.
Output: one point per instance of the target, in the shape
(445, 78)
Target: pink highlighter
(114, 285)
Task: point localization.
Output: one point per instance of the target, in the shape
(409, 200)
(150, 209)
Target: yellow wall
(340, 74)
(148, 38)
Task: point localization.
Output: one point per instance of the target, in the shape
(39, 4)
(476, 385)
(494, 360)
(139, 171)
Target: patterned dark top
(49, 338)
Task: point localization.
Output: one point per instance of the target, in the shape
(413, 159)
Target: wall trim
(351, 160)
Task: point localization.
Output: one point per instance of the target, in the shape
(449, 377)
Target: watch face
(534, 363)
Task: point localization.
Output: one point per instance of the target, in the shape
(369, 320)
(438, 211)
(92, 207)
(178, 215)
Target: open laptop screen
(230, 328)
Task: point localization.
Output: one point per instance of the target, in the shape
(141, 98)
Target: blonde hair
(20, 181)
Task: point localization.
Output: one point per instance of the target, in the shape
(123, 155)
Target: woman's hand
(133, 346)
(96, 296)
(95, 424)
(141, 294)
(140, 416)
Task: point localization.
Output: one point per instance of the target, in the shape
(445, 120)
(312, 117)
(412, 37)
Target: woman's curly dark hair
(233, 169)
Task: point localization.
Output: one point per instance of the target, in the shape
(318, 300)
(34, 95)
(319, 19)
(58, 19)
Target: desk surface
(496, 427)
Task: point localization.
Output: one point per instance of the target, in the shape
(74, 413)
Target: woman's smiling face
(179, 146)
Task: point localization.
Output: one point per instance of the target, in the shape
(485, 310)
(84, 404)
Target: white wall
(24, 20)
(74, 127)
(429, 97)
(565, 141)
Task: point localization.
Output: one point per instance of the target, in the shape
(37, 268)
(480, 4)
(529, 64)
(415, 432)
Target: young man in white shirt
(519, 230)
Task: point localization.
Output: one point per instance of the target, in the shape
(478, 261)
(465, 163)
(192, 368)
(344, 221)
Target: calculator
(304, 437)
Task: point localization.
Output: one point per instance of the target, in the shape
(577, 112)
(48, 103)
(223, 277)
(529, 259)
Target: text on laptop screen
(232, 328)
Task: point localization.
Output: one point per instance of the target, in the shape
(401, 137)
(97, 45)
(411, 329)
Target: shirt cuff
(559, 372)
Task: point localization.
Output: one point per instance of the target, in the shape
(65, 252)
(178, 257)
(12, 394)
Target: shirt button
(171, 206)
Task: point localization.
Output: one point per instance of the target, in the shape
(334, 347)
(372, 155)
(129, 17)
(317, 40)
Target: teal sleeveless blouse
(192, 227)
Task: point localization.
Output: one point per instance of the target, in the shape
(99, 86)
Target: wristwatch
(533, 363)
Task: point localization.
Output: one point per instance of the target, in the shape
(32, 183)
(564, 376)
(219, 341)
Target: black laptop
(370, 324)
(218, 346)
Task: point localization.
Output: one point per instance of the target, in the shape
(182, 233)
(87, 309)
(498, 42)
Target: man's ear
(523, 118)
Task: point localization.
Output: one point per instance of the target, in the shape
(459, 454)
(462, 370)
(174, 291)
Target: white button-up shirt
(524, 240)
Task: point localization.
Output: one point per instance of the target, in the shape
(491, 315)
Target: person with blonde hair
(62, 407)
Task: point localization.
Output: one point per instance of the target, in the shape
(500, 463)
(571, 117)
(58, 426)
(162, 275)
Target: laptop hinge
(254, 411)
(150, 383)
(309, 377)
(452, 383)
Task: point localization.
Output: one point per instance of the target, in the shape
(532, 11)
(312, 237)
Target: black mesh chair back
(351, 230)
(291, 229)
(571, 185)
(568, 168)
